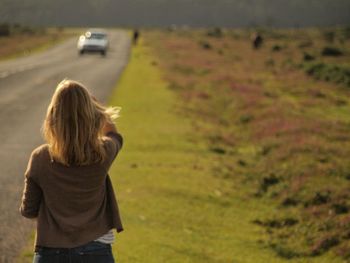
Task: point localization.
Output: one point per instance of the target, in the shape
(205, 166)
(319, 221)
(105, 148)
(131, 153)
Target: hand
(109, 127)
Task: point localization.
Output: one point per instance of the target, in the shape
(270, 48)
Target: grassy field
(25, 43)
(231, 154)
(174, 210)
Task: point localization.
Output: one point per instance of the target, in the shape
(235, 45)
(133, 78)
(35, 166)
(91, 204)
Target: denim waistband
(93, 245)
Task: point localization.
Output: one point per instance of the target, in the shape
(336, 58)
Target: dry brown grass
(278, 130)
(25, 44)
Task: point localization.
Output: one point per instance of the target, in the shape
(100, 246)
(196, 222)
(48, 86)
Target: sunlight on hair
(113, 112)
(74, 123)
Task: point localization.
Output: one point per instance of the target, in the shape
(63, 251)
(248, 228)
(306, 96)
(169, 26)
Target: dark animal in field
(257, 41)
(136, 36)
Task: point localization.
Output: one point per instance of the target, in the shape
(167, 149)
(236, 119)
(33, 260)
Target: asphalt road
(26, 87)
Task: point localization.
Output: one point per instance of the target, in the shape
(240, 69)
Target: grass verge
(271, 130)
(26, 255)
(174, 207)
(19, 45)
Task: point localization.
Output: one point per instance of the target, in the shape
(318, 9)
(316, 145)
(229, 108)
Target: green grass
(332, 73)
(26, 255)
(203, 129)
(266, 122)
(175, 207)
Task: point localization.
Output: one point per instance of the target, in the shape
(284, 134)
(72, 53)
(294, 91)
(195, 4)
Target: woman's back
(67, 187)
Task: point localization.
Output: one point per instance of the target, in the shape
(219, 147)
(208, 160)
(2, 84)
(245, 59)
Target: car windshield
(95, 35)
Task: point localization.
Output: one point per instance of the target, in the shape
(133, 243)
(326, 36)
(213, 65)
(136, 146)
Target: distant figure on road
(67, 188)
(136, 36)
(257, 41)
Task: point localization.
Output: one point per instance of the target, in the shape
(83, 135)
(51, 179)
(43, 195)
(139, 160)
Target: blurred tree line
(284, 13)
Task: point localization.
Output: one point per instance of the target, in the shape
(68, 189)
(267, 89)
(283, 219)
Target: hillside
(276, 126)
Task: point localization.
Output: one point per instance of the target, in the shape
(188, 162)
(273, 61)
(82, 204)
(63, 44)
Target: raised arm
(109, 127)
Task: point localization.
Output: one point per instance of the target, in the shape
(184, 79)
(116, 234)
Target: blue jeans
(93, 252)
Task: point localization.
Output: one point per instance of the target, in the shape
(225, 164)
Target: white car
(94, 40)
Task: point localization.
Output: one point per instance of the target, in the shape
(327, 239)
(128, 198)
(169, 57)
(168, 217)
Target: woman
(67, 188)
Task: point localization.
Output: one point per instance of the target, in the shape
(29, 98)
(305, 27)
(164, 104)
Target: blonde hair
(74, 123)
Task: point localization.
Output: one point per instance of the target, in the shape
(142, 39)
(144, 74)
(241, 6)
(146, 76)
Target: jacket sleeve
(32, 193)
(113, 145)
(118, 142)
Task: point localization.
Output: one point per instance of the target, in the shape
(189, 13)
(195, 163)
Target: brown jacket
(73, 205)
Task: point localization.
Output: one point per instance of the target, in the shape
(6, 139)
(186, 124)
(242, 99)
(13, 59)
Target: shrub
(289, 201)
(276, 48)
(205, 45)
(329, 36)
(345, 32)
(4, 30)
(218, 150)
(13, 29)
(268, 181)
(324, 245)
(308, 57)
(284, 252)
(245, 118)
(215, 32)
(277, 223)
(319, 198)
(340, 208)
(328, 72)
(331, 51)
(242, 162)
